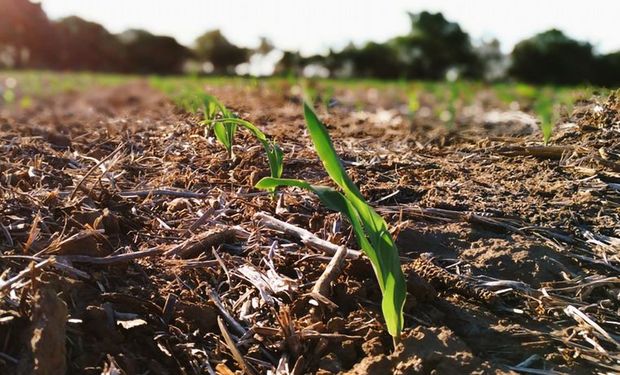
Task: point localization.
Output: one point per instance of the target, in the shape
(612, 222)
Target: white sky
(314, 26)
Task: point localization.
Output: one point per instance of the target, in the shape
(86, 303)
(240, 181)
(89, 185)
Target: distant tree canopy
(264, 47)
(26, 35)
(435, 46)
(153, 54)
(491, 59)
(289, 64)
(213, 47)
(84, 45)
(553, 57)
(608, 70)
(372, 60)
(29, 40)
(432, 48)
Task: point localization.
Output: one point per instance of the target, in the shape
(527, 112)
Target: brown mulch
(131, 242)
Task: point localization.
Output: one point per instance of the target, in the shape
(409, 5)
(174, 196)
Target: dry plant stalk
(333, 269)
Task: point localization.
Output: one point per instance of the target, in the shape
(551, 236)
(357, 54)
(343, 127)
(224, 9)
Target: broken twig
(305, 236)
(331, 272)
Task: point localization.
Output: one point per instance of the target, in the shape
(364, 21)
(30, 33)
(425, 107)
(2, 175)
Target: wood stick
(331, 272)
(169, 307)
(580, 317)
(545, 152)
(58, 264)
(90, 171)
(234, 324)
(186, 249)
(120, 258)
(304, 235)
(237, 327)
(162, 192)
(201, 242)
(25, 272)
(233, 348)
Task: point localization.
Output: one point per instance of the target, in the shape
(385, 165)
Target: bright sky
(314, 26)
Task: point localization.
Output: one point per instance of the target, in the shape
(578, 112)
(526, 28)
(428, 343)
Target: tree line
(433, 49)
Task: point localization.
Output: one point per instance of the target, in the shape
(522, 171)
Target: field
(134, 242)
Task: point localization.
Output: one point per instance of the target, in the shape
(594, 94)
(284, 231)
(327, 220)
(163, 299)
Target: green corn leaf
(211, 106)
(380, 247)
(324, 147)
(332, 199)
(221, 132)
(333, 166)
(274, 153)
(393, 288)
(544, 109)
(414, 102)
(224, 131)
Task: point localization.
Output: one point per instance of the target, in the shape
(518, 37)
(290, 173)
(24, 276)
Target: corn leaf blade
(333, 200)
(388, 270)
(275, 157)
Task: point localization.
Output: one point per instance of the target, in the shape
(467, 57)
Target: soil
(139, 250)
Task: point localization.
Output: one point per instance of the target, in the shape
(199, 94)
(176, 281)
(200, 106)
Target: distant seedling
(224, 130)
(414, 103)
(370, 229)
(455, 94)
(544, 109)
(225, 124)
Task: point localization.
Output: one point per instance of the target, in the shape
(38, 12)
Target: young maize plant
(544, 109)
(223, 122)
(224, 130)
(413, 103)
(274, 153)
(369, 227)
(455, 94)
(413, 106)
(226, 125)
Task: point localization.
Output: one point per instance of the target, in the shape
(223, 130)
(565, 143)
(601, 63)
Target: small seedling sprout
(544, 109)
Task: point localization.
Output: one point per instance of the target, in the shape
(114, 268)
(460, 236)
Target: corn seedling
(544, 109)
(414, 103)
(526, 92)
(370, 229)
(505, 94)
(274, 153)
(452, 102)
(219, 118)
(226, 125)
(8, 96)
(224, 130)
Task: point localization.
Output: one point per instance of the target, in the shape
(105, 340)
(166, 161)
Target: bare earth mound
(132, 244)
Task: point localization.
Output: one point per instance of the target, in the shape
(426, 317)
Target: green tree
(553, 57)
(85, 45)
(264, 47)
(290, 64)
(435, 46)
(153, 54)
(378, 60)
(608, 70)
(26, 36)
(492, 61)
(213, 47)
